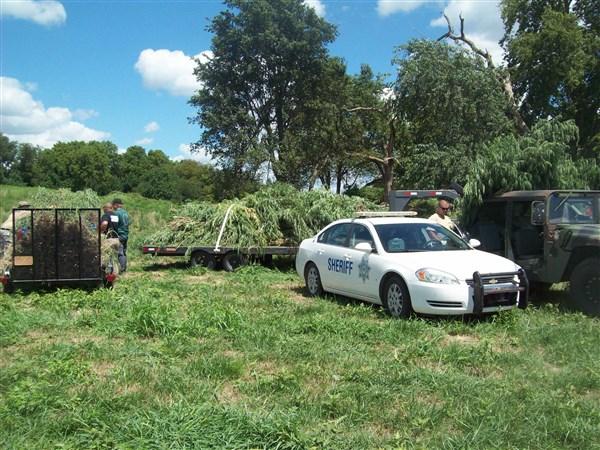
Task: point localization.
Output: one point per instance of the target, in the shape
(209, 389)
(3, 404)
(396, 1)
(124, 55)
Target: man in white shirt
(441, 215)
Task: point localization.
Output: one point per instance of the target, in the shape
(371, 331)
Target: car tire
(395, 297)
(233, 260)
(200, 258)
(312, 279)
(585, 286)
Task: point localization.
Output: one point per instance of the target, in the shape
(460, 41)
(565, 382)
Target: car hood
(460, 263)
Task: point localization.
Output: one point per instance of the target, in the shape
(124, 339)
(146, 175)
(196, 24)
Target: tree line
(274, 101)
(98, 165)
(273, 95)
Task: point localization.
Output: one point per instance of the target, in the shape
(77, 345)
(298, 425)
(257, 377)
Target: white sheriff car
(409, 264)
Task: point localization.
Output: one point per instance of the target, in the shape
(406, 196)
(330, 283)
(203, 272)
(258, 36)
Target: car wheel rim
(313, 280)
(395, 299)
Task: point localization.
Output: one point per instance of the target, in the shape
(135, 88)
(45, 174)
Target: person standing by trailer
(122, 231)
(109, 221)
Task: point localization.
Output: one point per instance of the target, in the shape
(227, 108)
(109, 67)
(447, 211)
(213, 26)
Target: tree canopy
(262, 84)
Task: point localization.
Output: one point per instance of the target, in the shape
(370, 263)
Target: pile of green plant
(275, 215)
(65, 198)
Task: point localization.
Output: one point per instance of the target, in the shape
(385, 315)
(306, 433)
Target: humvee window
(570, 208)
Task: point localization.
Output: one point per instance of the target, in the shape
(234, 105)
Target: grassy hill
(177, 357)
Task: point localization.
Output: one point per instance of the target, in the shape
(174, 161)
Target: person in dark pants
(122, 231)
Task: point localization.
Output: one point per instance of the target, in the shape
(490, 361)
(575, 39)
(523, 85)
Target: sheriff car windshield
(418, 237)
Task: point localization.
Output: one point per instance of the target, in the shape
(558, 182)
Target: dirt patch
(294, 291)
(102, 369)
(128, 389)
(461, 339)
(228, 394)
(232, 354)
(551, 368)
(203, 279)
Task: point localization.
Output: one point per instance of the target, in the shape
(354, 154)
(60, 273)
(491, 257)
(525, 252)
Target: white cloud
(483, 24)
(171, 71)
(317, 5)
(388, 7)
(43, 12)
(144, 141)
(151, 127)
(202, 156)
(84, 114)
(24, 119)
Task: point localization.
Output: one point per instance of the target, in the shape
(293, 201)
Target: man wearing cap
(7, 226)
(122, 231)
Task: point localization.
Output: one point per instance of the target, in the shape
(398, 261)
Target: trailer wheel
(234, 260)
(200, 258)
(9, 287)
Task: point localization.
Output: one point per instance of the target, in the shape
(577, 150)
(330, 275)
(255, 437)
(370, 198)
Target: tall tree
(261, 83)
(449, 103)
(552, 54)
(23, 168)
(8, 152)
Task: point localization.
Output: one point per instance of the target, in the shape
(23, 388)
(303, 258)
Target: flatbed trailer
(229, 258)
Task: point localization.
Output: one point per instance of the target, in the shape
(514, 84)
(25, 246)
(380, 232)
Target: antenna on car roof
(371, 214)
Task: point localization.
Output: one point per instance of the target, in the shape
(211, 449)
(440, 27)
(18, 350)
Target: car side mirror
(474, 243)
(363, 247)
(538, 213)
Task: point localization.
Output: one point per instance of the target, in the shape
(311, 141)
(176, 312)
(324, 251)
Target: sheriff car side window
(359, 234)
(336, 235)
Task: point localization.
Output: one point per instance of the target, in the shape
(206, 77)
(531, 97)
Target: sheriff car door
(364, 280)
(333, 263)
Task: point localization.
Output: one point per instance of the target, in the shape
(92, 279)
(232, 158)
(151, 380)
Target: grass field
(175, 357)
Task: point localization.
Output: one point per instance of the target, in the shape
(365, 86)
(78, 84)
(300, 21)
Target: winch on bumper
(492, 290)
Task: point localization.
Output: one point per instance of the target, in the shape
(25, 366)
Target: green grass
(183, 358)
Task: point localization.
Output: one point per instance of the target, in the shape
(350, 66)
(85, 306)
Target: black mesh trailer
(56, 247)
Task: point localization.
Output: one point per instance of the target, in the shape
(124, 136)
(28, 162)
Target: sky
(121, 70)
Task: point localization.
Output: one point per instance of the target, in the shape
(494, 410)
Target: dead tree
(503, 76)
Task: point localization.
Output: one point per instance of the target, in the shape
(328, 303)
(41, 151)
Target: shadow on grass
(342, 300)
(159, 266)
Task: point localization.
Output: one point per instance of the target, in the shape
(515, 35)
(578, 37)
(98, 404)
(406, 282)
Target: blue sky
(120, 70)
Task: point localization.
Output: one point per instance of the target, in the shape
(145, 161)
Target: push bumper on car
(492, 290)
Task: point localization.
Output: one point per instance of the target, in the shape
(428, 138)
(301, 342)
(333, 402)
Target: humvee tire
(585, 286)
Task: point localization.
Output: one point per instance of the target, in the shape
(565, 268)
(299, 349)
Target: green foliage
(539, 160)
(448, 96)
(275, 215)
(552, 55)
(450, 103)
(64, 198)
(8, 152)
(262, 84)
(78, 165)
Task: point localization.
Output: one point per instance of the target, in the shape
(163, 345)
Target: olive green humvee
(553, 234)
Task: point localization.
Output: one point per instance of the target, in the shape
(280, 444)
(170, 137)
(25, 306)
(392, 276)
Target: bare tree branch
(503, 76)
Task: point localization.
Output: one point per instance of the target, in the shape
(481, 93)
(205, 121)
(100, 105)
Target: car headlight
(435, 276)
